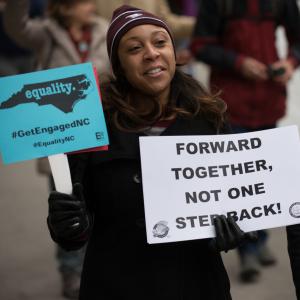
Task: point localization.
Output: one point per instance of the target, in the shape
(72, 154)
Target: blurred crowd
(234, 39)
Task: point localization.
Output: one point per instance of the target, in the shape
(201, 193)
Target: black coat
(119, 264)
(293, 238)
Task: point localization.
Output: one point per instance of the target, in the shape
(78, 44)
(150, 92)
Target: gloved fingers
(251, 236)
(222, 232)
(68, 228)
(62, 215)
(55, 223)
(239, 234)
(78, 191)
(70, 233)
(77, 194)
(57, 196)
(228, 234)
(65, 205)
(236, 232)
(74, 230)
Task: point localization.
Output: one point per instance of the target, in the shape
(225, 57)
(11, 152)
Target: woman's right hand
(68, 219)
(254, 70)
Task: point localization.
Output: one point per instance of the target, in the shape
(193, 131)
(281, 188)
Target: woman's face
(147, 59)
(81, 12)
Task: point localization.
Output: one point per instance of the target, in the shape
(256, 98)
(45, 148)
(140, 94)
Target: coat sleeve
(293, 239)
(206, 42)
(26, 32)
(290, 20)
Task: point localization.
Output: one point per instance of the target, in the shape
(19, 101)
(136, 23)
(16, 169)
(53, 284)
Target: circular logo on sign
(160, 229)
(295, 210)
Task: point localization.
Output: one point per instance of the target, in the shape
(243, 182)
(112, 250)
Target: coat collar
(125, 145)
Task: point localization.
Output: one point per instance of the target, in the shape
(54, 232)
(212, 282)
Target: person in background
(148, 95)
(184, 7)
(14, 59)
(236, 38)
(181, 26)
(190, 66)
(70, 33)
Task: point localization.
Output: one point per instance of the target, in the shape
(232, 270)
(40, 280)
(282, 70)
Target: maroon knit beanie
(125, 18)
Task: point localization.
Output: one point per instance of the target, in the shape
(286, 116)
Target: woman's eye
(160, 43)
(134, 48)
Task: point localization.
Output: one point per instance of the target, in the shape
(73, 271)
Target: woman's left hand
(229, 235)
(288, 68)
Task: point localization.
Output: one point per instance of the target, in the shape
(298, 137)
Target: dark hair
(188, 99)
(54, 9)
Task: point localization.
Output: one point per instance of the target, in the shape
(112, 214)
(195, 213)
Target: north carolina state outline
(63, 93)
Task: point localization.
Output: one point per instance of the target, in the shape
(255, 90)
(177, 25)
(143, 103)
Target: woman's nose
(151, 52)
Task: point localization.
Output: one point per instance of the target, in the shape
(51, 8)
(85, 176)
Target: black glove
(229, 235)
(68, 219)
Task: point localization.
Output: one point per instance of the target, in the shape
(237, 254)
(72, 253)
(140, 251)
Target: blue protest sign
(49, 112)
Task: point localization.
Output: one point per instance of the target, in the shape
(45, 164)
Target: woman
(148, 96)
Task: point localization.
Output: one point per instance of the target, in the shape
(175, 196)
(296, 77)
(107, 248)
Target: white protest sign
(188, 179)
